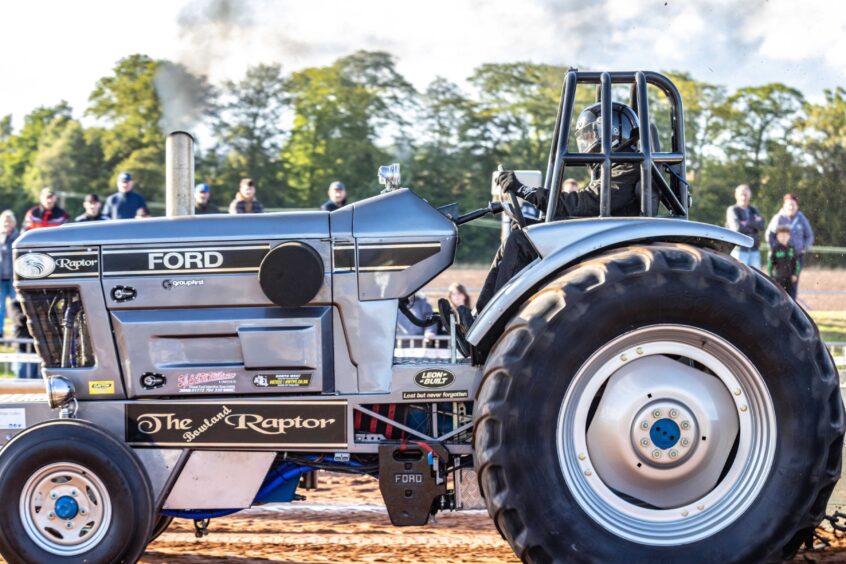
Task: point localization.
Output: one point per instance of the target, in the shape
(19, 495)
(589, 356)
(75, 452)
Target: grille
(58, 324)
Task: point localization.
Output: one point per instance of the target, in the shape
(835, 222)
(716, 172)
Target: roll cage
(674, 195)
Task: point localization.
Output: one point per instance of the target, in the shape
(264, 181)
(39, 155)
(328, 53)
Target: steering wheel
(511, 206)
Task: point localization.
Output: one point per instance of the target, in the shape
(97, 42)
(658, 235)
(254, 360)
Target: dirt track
(329, 529)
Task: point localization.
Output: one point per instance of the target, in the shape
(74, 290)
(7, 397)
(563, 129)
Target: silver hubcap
(65, 509)
(666, 435)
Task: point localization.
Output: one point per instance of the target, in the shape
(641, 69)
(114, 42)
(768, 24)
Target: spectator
(745, 218)
(245, 199)
(142, 213)
(124, 204)
(202, 205)
(46, 213)
(8, 234)
(421, 309)
(20, 331)
(91, 203)
(784, 264)
(570, 185)
(337, 197)
(458, 296)
(801, 234)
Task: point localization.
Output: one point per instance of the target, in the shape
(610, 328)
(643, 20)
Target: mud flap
(412, 479)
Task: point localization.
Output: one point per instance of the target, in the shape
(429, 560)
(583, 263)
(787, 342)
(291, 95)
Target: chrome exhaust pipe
(179, 174)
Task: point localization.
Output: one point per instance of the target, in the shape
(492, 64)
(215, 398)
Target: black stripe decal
(183, 260)
(394, 257)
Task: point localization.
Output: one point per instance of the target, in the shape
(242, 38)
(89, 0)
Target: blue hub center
(66, 507)
(664, 433)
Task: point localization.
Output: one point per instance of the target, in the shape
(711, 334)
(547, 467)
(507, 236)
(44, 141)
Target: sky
(55, 50)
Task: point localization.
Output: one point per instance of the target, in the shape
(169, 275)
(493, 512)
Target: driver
(517, 251)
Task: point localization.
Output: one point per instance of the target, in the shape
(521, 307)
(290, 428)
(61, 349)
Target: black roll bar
(673, 195)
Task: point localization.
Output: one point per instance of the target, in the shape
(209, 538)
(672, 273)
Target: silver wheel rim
(587, 470)
(65, 509)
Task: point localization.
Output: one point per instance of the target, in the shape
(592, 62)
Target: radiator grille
(58, 324)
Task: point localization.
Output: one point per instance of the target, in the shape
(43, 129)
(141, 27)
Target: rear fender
(563, 243)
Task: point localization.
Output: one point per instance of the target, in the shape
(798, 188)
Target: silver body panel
(562, 243)
(233, 483)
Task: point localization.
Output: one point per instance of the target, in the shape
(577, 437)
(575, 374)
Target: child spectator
(245, 199)
(784, 263)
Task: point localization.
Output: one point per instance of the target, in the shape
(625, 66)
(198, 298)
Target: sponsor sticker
(152, 380)
(282, 380)
(434, 378)
(13, 418)
(211, 382)
(438, 395)
(70, 264)
(98, 387)
(171, 284)
(237, 424)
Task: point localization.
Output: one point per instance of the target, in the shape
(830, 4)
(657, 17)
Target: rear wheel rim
(746, 467)
(65, 509)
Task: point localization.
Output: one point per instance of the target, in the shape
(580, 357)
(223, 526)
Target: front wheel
(72, 493)
(658, 403)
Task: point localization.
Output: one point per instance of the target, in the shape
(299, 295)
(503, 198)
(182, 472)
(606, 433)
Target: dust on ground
(344, 520)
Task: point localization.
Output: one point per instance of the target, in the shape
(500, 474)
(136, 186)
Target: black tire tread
(571, 290)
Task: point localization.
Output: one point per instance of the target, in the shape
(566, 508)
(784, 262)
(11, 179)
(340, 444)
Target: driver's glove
(508, 182)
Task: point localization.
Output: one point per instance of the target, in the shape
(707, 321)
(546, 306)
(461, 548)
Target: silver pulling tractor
(632, 394)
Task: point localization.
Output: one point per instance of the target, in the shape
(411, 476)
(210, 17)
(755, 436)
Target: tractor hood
(286, 225)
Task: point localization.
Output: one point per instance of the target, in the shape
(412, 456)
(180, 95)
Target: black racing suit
(517, 251)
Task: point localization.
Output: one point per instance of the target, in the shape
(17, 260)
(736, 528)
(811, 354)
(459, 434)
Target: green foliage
(295, 133)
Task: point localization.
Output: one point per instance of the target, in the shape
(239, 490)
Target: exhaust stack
(179, 174)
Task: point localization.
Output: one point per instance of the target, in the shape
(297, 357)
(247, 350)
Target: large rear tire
(72, 493)
(658, 403)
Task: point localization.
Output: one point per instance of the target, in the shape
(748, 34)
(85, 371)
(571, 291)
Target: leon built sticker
(434, 378)
(99, 387)
(282, 380)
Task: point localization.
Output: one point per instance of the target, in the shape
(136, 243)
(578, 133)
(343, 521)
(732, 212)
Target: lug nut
(639, 350)
(624, 358)
(581, 456)
(684, 513)
(656, 453)
(737, 391)
(656, 413)
(69, 525)
(685, 425)
(644, 425)
(674, 413)
(51, 515)
(73, 493)
(588, 472)
(700, 507)
(83, 511)
(53, 495)
(673, 453)
(685, 442)
(743, 407)
(644, 442)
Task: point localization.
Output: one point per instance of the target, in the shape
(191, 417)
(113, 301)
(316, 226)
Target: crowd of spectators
(789, 236)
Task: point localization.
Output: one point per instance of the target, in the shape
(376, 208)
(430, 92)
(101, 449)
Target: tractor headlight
(60, 392)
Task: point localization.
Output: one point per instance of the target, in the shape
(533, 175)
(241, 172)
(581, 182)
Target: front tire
(72, 493)
(658, 403)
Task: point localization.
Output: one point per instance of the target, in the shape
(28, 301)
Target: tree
(67, 161)
(340, 112)
(250, 131)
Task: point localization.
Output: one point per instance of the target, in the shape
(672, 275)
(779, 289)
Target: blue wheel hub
(66, 507)
(664, 433)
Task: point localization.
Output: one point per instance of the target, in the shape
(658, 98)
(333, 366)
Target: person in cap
(245, 199)
(92, 204)
(337, 197)
(125, 203)
(202, 205)
(46, 213)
